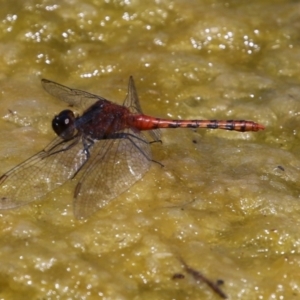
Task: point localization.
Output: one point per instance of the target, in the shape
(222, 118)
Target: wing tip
(8, 203)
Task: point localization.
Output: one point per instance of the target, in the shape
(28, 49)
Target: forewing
(116, 166)
(42, 173)
(73, 97)
(133, 103)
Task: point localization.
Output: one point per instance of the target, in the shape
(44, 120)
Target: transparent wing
(73, 97)
(116, 166)
(42, 173)
(132, 102)
(132, 99)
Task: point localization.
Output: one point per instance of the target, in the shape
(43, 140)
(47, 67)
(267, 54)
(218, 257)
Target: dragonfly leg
(130, 137)
(87, 144)
(157, 141)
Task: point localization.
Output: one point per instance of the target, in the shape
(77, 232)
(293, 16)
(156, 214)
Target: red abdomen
(143, 122)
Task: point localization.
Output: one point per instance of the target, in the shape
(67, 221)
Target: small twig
(200, 277)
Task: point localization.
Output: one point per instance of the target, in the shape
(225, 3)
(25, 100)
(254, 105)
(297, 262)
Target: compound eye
(64, 124)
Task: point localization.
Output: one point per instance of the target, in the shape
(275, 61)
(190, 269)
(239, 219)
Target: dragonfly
(105, 149)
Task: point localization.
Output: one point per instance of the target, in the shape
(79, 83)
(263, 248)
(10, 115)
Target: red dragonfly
(104, 148)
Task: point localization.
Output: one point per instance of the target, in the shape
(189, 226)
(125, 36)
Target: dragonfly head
(64, 124)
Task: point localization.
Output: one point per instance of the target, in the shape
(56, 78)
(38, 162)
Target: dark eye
(64, 124)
